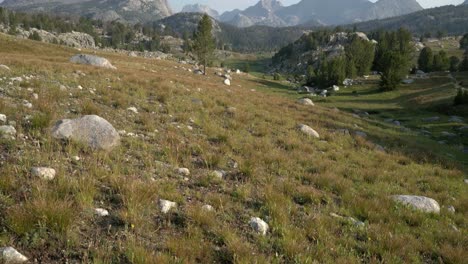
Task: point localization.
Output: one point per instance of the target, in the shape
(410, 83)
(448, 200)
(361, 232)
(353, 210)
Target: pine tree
(426, 59)
(204, 43)
(441, 62)
(394, 57)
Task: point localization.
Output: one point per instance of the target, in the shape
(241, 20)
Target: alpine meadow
(315, 132)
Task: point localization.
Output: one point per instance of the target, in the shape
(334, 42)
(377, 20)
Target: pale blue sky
(223, 5)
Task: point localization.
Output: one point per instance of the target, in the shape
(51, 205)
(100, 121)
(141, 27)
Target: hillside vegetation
(325, 199)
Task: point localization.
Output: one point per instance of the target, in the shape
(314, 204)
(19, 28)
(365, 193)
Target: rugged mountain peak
(129, 10)
(199, 8)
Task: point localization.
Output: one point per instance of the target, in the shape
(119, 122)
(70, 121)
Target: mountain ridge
(332, 12)
(133, 11)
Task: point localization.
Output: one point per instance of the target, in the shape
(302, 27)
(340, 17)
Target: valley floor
(325, 200)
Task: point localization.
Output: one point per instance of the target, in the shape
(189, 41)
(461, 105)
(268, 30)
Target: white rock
(183, 171)
(165, 206)
(3, 118)
(133, 109)
(35, 96)
(9, 255)
(308, 131)
(227, 82)
(43, 173)
(259, 225)
(305, 101)
(101, 212)
(207, 208)
(27, 104)
(451, 209)
(4, 67)
(335, 88)
(219, 174)
(92, 60)
(421, 203)
(7, 130)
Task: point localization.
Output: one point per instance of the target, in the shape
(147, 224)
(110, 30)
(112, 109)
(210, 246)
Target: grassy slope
(291, 181)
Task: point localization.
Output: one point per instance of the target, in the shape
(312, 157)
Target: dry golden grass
(291, 181)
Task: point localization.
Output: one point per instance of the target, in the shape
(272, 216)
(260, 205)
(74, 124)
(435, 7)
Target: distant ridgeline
(451, 20)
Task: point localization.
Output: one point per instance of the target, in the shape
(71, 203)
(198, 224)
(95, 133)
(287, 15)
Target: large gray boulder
(92, 60)
(421, 203)
(77, 39)
(91, 130)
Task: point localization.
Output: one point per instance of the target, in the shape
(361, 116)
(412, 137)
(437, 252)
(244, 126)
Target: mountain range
(133, 11)
(199, 8)
(330, 12)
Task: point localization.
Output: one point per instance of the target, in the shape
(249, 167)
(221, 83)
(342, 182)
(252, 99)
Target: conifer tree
(204, 43)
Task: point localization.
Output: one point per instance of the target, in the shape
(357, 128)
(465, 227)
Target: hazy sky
(223, 5)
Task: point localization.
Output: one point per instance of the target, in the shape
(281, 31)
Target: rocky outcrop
(77, 40)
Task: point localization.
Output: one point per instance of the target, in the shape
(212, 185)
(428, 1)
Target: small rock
(451, 209)
(27, 104)
(396, 123)
(259, 225)
(133, 109)
(379, 148)
(44, 173)
(455, 119)
(421, 203)
(231, 110)
(207, 208)
(35, 96)
(7, 130)
(448, 134)
(308, 131)
(227, 82)
(465, 181)
(3, 118)
(360, 134)
(4, 67)
(101, 212)
(219, 174)
(431, 119)
(305, 101)
(9, 255)
(183, 171)
(165, 206)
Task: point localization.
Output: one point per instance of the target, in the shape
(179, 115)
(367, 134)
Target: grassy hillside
(295, 183)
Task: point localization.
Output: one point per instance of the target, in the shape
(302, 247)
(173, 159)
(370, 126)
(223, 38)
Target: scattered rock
(92, 130)
(259, 225)
(342, 131)
(396, 123)
(9, 255)
(360, 134)
(421, 203)
(44, 173)
(451, 209)
(455, 119)
(27, 104)
(379, 148)
(92, 60)
(101, 212)
(183, 171)
(207, 208)
(308, 131)
(305, 101)
(448, 134)
(165, 206)
(431, 119)
(4, 68)
(7, 130)
(227, 82)
(3, 118)
(219, 174)
(133, 109)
